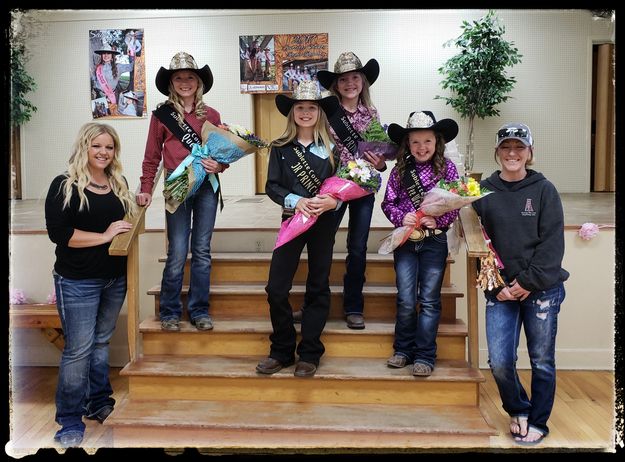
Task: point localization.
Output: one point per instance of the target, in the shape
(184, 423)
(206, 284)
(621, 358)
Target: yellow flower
(473, 187)
(351, 164)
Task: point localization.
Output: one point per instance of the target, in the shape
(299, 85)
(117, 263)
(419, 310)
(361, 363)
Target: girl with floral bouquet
(420, 262)
(299, 162)
(175, 127)
(351, 82)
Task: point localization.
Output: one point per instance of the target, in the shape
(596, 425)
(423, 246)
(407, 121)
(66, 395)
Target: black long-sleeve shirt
(87, 262)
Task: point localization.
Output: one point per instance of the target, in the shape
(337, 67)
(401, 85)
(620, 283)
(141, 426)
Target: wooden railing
(476, 248)
(127, 244)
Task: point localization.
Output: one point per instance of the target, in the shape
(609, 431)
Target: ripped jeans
(538, 314)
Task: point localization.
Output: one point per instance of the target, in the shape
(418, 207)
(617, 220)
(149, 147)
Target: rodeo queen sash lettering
(188, 137)
(411, 181)
(108, 91)
(304, 174)
(344, 130)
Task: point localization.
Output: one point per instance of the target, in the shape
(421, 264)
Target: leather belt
(419, 233)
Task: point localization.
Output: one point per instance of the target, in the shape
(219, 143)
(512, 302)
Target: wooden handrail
(476, 248)
(127, 244)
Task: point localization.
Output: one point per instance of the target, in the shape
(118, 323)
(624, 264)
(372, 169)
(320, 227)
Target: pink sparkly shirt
(397, 203)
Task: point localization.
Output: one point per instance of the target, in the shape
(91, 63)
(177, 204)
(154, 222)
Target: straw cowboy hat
(106, 48)
(424, 120)
(183, 62)
(307, 90)
(348, 62)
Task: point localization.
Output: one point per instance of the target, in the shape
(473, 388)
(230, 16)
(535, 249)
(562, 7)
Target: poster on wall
(277, 63)
(117, 71)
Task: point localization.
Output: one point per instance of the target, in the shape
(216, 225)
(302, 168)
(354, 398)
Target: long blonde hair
(365, 94)
(176, 101)
(321, 133)
(405, 159)
(78, 170)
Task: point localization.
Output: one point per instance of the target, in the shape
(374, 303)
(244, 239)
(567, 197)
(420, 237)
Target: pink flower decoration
(588, 231)
(17, 297)
(51, 298)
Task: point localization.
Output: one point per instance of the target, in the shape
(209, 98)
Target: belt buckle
(417, 235)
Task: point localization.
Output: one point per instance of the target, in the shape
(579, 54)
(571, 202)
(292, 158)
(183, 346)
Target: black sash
(184, 132)
(305, 175)
(410, 180)
(344, 130)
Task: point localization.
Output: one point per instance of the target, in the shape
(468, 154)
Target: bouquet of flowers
(353, 181)
(224, 143)
(377, 140)
(489, 277)
(444, 197)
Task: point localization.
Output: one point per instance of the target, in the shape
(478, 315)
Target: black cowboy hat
(420, 120)
(307, 90)
(348, 62)
(183, 62)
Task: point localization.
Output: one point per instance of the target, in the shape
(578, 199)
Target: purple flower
(588, 231)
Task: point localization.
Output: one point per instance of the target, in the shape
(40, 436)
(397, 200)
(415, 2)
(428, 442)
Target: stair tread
(266, 256)
(340, 368)
(298, 417)
(257, 289)
(263, 325)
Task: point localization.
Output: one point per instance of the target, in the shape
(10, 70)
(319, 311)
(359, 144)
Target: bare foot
(518, 426)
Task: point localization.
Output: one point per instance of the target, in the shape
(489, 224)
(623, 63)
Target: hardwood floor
(582, 417)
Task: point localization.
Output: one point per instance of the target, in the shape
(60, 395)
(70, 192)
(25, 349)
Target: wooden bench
(43, 316)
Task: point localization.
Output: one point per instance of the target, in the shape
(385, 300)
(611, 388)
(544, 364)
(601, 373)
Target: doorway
(602, 136)
(269, 124)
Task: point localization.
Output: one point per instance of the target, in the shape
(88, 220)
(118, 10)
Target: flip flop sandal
(531, 443)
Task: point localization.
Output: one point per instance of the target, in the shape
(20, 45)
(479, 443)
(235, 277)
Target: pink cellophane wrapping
(436, 202)
(339, 188)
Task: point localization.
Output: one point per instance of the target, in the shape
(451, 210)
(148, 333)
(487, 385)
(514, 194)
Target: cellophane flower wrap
(353, 181)
(224, 143)
(376, 139)
(444, 197)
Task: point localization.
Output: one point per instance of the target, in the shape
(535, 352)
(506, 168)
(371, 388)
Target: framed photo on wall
(117, 72)
(278, 63)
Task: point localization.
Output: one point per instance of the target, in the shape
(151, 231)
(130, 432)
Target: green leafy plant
(21, 84)
(23, 28)
(477, 75)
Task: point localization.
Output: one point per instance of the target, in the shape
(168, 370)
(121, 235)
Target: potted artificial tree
(476, 76)
(21, 84)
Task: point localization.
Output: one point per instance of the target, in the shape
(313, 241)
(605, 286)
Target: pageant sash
(110, 94)
(344, 130)
(305, 175)
(411, 181)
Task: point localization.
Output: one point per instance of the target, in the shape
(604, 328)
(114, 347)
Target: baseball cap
(514, 131)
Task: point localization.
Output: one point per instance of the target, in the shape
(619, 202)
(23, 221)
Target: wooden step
(250, 300)
(250, 336)
(35, 315)
(253, 267)
(338, 380)
(284, 425)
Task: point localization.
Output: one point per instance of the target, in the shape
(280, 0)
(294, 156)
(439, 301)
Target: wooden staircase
(200, 389)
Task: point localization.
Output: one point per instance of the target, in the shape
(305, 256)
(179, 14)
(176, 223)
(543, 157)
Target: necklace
(101, 187)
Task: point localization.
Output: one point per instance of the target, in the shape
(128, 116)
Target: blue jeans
(203, 207)
(419, 269)
(88, 309)
(360, 213)
(538, 314)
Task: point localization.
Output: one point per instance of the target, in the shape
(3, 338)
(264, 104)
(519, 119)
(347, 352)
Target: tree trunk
(15, 171)
(470, 156)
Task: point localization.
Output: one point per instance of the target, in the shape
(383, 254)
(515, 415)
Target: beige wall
(553, 93)
(585, 332)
